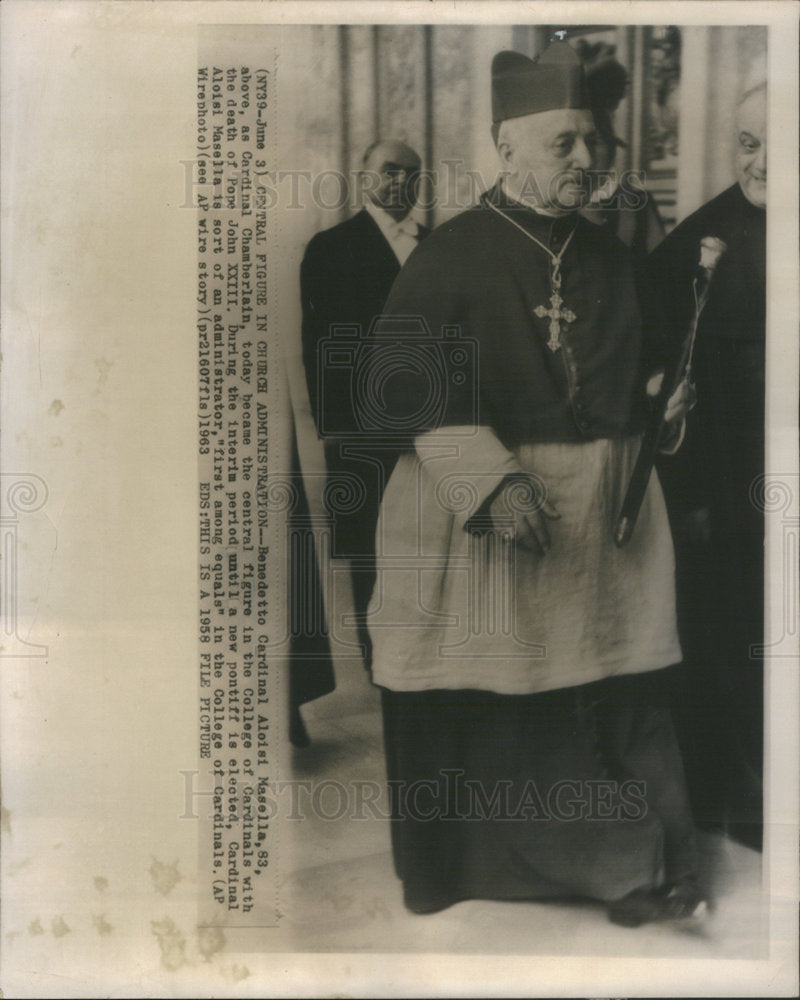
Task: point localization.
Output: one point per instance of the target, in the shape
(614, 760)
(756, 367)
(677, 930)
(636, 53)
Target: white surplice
(458, 610)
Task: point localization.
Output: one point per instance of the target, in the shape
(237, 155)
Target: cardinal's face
(751, 148)
(546, 156)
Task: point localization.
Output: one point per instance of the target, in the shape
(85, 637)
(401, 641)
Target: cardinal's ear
(506, 150)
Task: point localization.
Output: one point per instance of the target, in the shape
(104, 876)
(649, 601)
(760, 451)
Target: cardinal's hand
(520, 512)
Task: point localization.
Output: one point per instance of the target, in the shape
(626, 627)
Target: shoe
(642, 906)
(677, 901)
(682, 901)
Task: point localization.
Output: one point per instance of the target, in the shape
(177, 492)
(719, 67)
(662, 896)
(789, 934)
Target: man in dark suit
(712, 489)
(345, 279)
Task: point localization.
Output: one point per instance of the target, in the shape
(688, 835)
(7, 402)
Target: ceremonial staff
(711, 250)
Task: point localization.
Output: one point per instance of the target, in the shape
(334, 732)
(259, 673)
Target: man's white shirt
(401, 236)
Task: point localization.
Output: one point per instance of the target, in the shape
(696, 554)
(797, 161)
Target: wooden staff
(711, 250)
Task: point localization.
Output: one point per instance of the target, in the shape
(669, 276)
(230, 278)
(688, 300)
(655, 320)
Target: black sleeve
(315, 279)
(327, 300)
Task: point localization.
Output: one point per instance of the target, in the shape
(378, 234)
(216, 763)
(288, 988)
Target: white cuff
(466, 464)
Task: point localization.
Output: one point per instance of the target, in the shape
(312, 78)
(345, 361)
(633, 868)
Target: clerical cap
(523, 86)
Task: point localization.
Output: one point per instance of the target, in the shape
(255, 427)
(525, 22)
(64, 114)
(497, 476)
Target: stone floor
(341, 893)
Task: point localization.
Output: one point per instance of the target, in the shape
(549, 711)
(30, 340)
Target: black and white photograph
(400, 499)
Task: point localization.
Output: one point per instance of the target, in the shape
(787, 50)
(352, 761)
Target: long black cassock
(529, 747)
(720, 470)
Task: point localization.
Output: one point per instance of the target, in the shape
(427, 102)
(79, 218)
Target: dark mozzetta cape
(479, 273)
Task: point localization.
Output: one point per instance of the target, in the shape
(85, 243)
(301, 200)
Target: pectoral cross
(556, 314)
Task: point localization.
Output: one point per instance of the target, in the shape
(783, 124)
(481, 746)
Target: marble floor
(341, 893)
